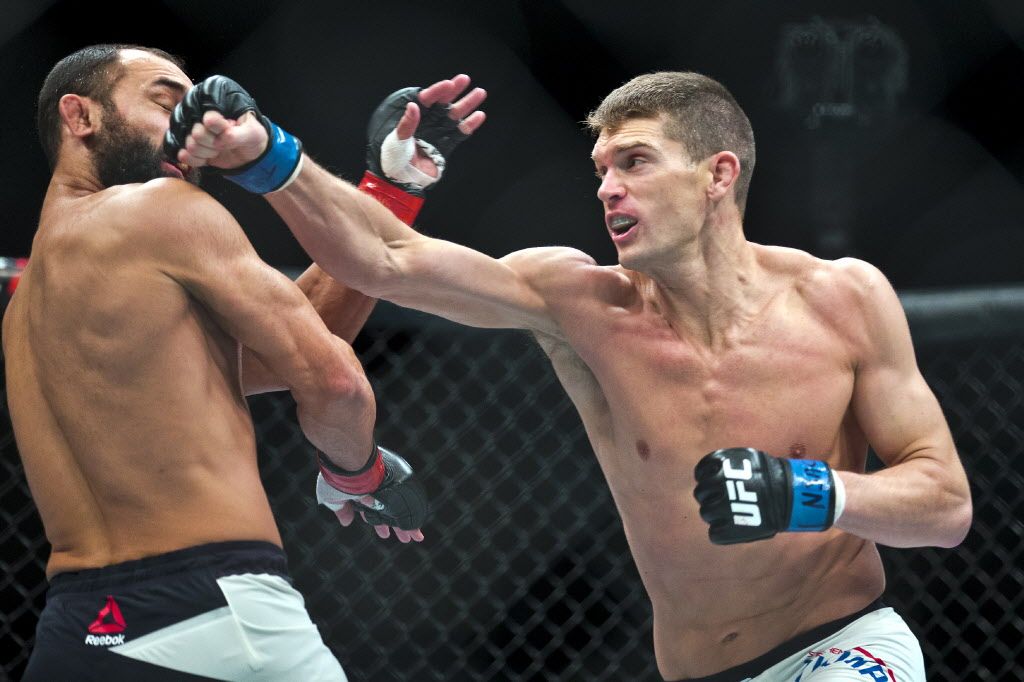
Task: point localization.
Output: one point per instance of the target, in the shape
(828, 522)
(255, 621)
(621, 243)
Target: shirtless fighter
(730, 390)
(124, 345)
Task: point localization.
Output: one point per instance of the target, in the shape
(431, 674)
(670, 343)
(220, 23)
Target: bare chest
(782, 386)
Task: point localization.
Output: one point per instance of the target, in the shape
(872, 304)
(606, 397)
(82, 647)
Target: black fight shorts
(224, 611)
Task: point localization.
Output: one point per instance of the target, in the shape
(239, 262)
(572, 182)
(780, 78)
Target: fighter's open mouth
(621, 224)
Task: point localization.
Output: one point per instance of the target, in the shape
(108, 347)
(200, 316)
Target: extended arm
(359, 242)
(350, 235)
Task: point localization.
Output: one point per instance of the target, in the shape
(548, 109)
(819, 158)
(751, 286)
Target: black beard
(123, 156)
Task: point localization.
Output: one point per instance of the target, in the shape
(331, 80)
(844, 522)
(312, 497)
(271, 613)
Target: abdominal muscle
(719, 606)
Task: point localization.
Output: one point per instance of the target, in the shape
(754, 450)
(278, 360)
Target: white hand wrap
(840, 496)
(331, 497)
(396, 157)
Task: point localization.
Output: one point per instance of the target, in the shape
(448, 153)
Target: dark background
(915, 162)
(886, 130)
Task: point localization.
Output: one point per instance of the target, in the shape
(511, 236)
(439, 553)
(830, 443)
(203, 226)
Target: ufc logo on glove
(746, 495)
(745, 511)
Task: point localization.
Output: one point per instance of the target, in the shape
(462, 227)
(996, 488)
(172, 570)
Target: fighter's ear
(725, 171)
(80, 115)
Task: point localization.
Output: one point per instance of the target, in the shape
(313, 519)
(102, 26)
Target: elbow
(959, 524)
(374, 278)
(342, 385)
(957, 518)
(348, 386)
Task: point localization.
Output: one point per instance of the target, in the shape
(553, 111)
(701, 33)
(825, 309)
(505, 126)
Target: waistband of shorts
(222, 558)
(792, 646)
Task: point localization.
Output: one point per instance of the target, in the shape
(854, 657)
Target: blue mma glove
(747, 495)
(279, 163)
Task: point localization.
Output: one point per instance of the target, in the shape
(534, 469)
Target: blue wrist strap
(813, 491)
(272, 170)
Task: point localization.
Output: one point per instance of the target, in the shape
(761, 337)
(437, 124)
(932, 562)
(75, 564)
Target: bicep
(466, 286)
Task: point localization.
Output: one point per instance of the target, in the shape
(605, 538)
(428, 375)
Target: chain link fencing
(525, 573)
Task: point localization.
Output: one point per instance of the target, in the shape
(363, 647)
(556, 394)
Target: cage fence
(525, 573)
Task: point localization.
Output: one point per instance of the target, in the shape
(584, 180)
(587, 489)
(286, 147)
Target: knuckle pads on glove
(714, 515)
(708, 466)
(402, 499)
(222, 94)
(216, 93)
(182, 119)
(438, 128)
(708, 492)
(403, 505)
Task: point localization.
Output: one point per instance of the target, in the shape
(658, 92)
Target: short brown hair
(90, 72)
(702, 115)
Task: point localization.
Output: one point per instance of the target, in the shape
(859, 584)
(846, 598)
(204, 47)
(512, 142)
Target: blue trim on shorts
(221, 558)
(792, 646)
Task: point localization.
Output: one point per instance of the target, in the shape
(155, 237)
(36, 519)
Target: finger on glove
(468, 104)
(444, 92)
(346, 514)
(406, 127)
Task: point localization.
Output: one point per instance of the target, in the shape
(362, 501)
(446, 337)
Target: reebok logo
(104, 631)
(104, 640)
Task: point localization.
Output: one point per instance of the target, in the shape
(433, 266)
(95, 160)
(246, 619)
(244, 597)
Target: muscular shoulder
(560, 272)
(844, 286)
(173, 217)
(162, 205)
(853, 298)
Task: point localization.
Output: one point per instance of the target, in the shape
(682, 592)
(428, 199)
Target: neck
(73, 177)
(715, 285)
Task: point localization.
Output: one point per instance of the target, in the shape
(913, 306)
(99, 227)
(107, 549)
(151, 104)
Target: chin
(632, 261)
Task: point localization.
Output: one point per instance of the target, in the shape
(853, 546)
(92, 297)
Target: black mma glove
(746, 495)
(279, 163)
(387, 477)
(391, 178)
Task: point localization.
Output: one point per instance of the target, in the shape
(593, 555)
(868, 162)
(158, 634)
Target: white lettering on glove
(396, 160)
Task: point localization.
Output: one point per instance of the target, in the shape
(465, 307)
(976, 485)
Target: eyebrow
(169, 83)
(626, 146)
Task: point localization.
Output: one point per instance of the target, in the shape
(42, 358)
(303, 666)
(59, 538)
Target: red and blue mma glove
(747, 495)
(273, 170)
(391, 178)
(387, 477)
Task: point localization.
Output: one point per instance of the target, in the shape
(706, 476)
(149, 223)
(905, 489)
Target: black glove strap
(338, 471)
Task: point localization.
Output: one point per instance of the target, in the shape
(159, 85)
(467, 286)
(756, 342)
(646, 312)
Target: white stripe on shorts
(263, 634)
(877, 646)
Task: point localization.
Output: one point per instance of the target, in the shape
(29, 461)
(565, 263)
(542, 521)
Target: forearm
(344, 231)
(915, 503)
(343, 310)
(338, 420)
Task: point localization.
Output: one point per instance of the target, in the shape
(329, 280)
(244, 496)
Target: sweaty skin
(121, 349)
(698, 340)
(654, 399)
